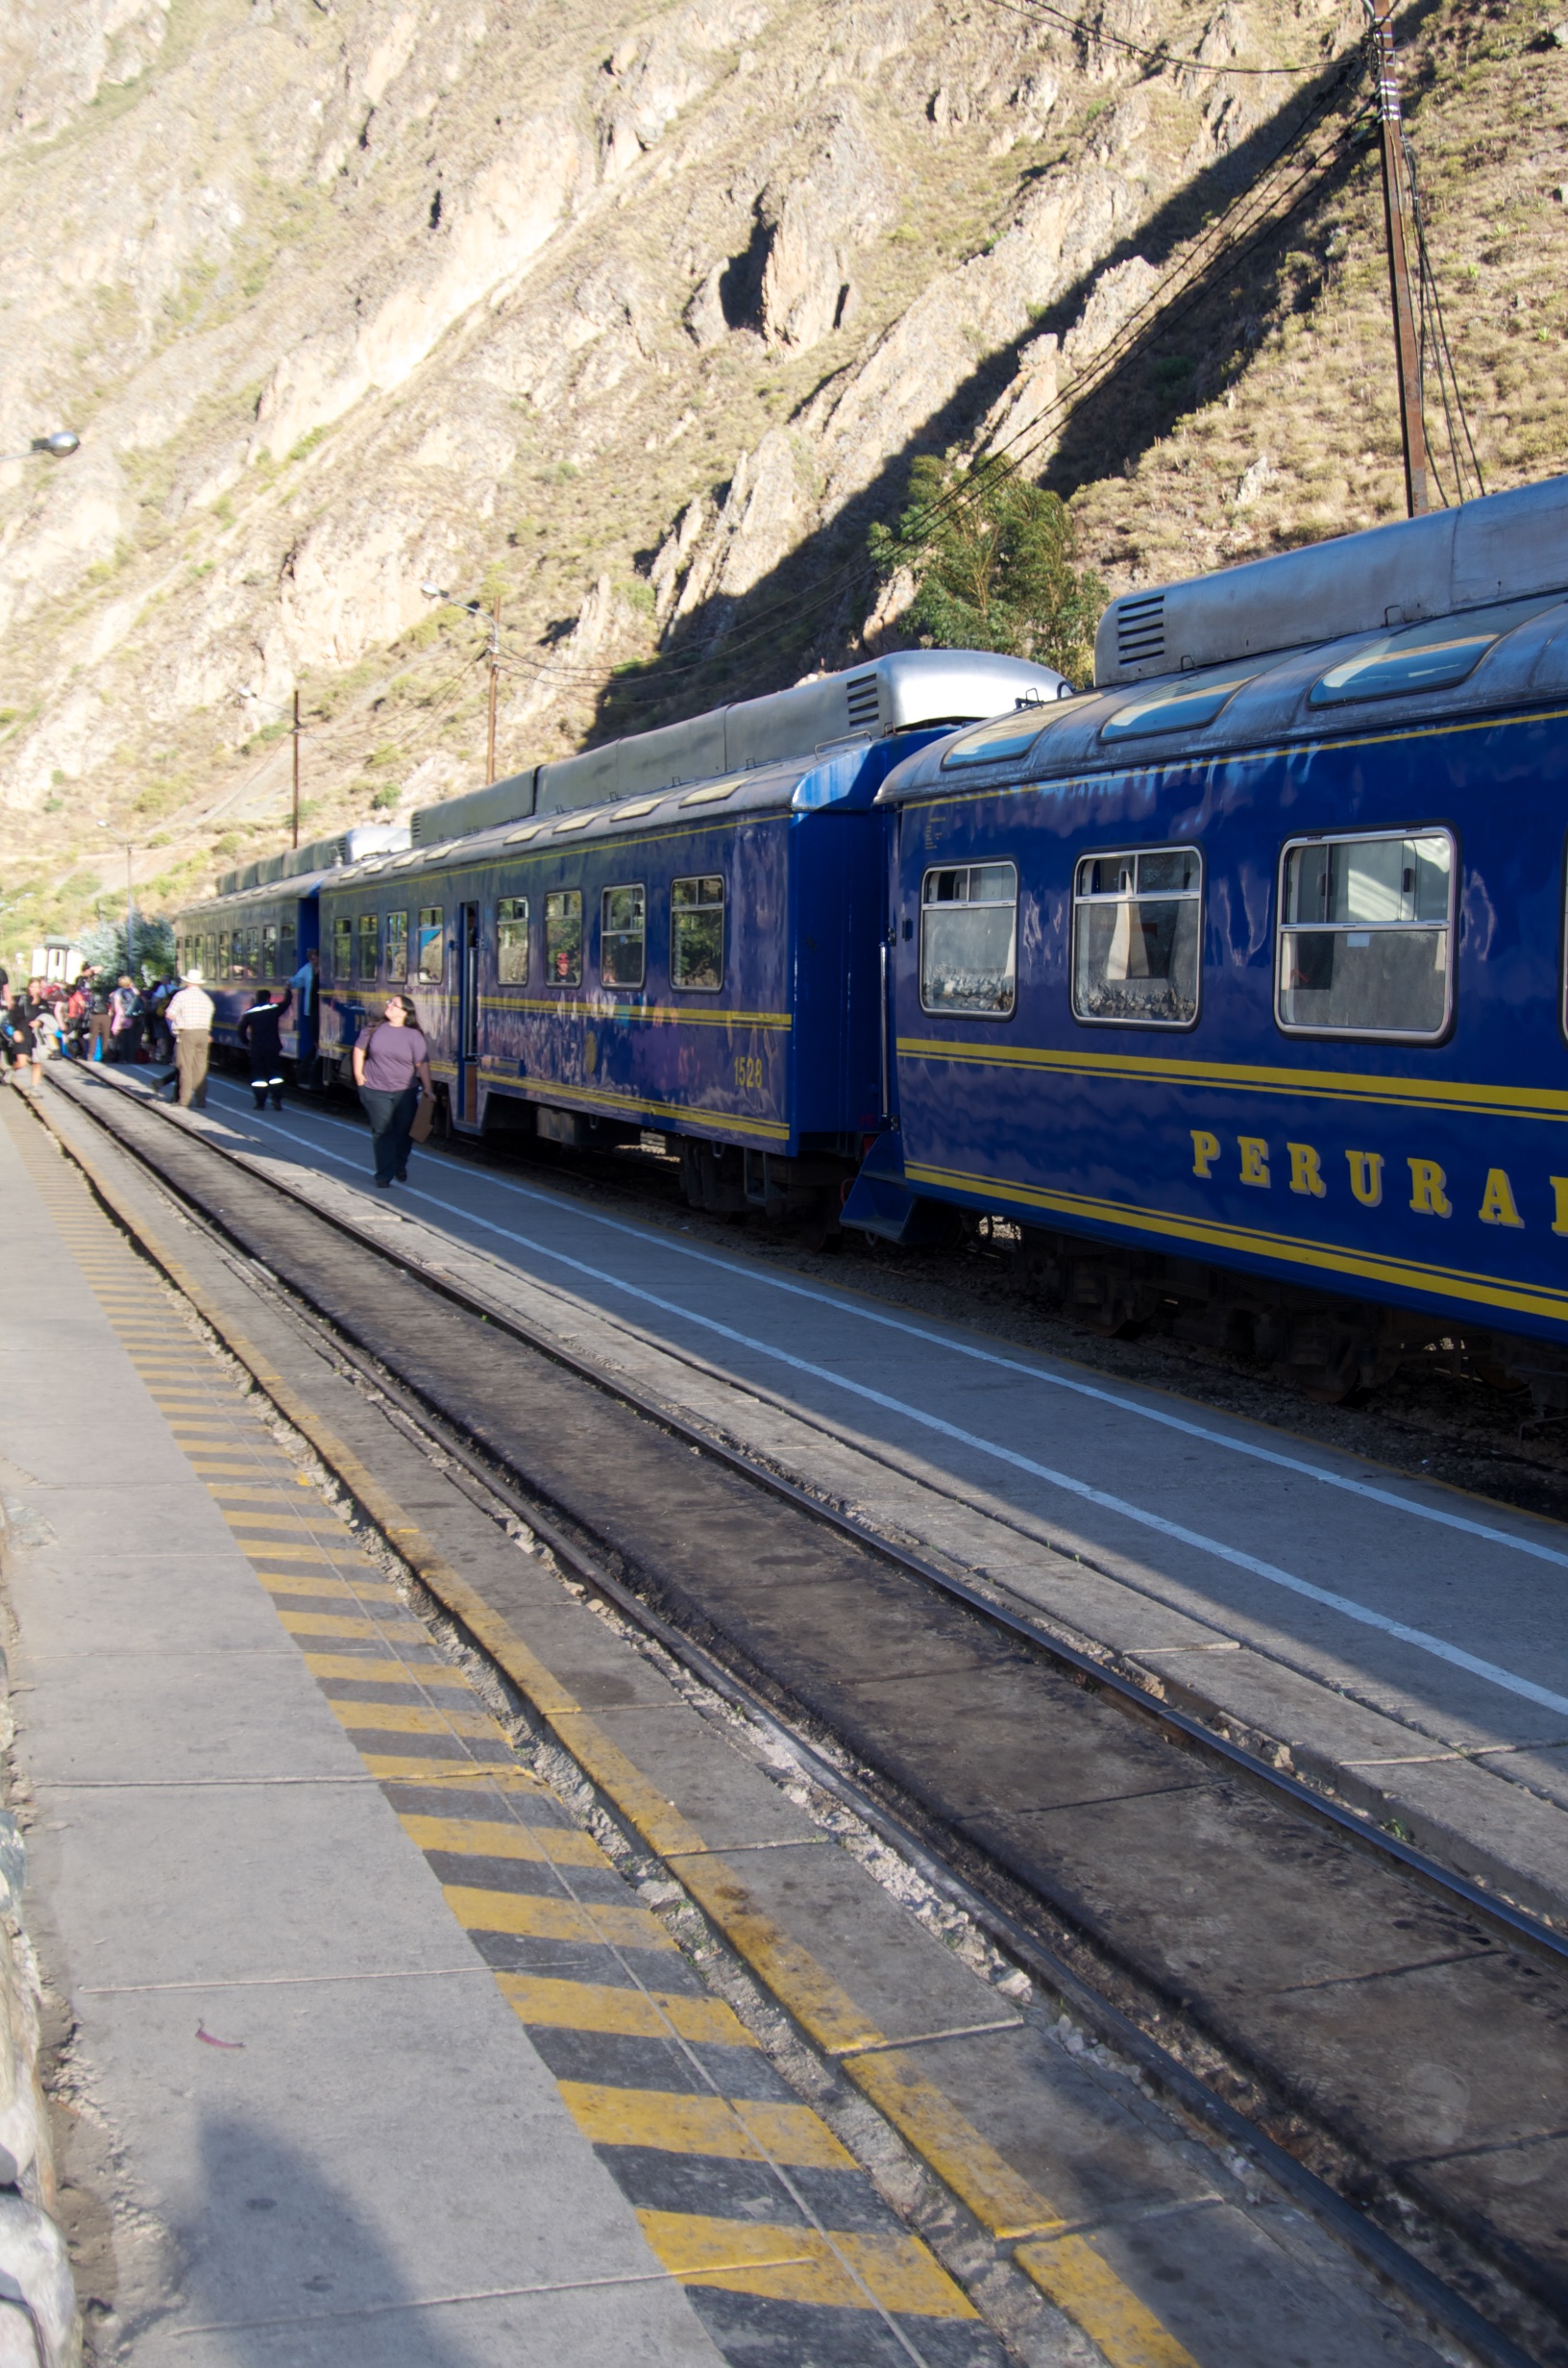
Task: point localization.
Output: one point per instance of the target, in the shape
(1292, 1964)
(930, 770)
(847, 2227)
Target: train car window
(269, 950)
(1363, 939)
(287, 963)
(370, 946)
(1005, 735)
(342, 948)
(432, 945)
(697, 933)
(1136, 938)
(1423, 658)
(969, 935)
(563, 937)
(512, 941)
(622, 936)
(1172, 711)
(396, 947)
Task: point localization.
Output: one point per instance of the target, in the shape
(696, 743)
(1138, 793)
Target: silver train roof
(897, 693)
(1463, 660)
(773, 789)
(1502, 547)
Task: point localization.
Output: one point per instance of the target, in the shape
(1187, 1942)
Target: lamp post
(472, 608)
(130, 908)
(59, 446)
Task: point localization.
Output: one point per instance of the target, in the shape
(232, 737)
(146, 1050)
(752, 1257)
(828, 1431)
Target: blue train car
(698, 957)
(260, 930)
(1236, 984)
(702, 964)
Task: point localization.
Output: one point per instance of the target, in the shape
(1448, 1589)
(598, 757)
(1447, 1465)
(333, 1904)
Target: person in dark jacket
(259, 1033)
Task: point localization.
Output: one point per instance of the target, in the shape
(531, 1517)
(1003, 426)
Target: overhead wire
(1159, 59)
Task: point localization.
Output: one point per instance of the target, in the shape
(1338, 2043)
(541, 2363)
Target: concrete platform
(283, 1862)
(1393, 1639)
(1024, 2186)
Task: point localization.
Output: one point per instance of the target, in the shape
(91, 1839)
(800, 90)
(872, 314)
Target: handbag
(424, 1120)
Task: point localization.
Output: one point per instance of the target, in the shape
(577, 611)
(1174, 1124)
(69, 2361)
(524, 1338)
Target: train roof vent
(1141, 630)
(865, 696)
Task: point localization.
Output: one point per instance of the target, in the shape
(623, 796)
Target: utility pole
(130, 917)
(296, 764)
(495, 680)
(1399, 221)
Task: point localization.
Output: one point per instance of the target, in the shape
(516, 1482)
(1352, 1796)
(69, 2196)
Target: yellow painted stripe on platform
(1000, 2200)
(257, 1490)
(1072, 2274)
(735, 2130)
(417, 1718)
(843, 2271)
(208, 1466)
(431, 1672)
(495, 1838)
(450, 1775)
(695, 2248)
(331, 1590)
(309, 1523)
(348, 1558)
(551, 1917)
(339, 1624)
(622, 2013)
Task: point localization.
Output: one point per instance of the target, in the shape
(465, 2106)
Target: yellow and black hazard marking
(744, 2194)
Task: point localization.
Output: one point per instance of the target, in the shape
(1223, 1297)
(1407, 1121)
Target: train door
(467, 1015)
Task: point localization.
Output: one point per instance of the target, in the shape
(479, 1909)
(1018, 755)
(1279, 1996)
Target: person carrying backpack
(125, 1019)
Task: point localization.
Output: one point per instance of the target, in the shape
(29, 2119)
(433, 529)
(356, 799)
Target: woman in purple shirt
(391, 1063)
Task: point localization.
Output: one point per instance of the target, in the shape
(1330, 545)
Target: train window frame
(269, 950)
(512, 914)
(563, 981)
(1083, 900)
(681, 910)
(367, 931)
(972, 903)
(395, 948)
(287, 950)
(628, 935)
(342, 947)
(430, 938)
(1403, 833)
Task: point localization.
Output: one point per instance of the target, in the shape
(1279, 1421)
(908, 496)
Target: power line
(1159, 59)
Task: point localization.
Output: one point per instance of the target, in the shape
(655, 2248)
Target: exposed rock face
(612, 313)
(814, 223)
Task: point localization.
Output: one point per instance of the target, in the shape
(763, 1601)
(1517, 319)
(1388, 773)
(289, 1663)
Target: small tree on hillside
(991, 557)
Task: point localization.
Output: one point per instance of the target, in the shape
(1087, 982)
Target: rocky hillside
(633, 321)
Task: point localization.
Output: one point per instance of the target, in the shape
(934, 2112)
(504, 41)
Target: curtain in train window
(697, 933)
(1364, 931)
(968, 932)
(431, 947)
(269, 950)
(622, 937)
(512, 941)
(563, 937)
(370, 946)
(397, 947)
(1136, 938)
(342, 949)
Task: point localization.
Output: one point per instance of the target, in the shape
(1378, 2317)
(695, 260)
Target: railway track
(1389, 2040)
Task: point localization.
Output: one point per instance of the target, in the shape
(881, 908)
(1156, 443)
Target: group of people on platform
(169, 1022)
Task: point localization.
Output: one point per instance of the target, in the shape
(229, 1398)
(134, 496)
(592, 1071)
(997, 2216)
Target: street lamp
(129, 909)
(473, 609)
(57, 447)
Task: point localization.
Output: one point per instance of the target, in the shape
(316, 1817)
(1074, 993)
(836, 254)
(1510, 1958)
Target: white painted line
(1253, 1448)
(1362, 1614)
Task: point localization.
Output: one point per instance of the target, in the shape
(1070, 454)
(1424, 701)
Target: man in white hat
(189, 1021)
